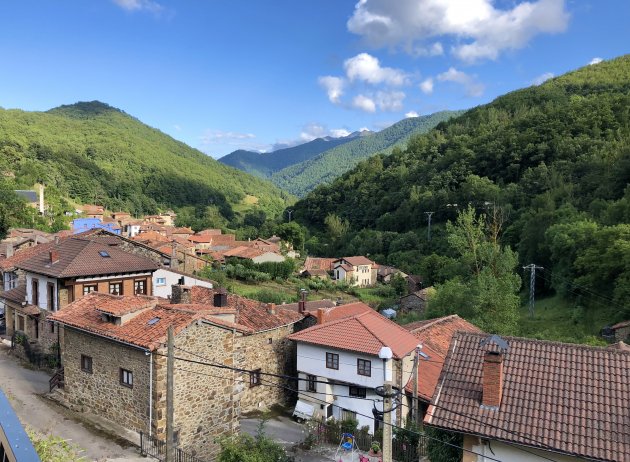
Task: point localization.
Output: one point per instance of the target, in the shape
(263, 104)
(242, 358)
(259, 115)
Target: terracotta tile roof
(139, 331)
(201, 239)
(244, 252)
(366, 333)
(150, 236)
(30, 310)
(311, 305)
(347, 310)
(120, 305)
(356, 261)
(81, 257)
(316, 272)
(619, 325)
(620, 346)
(249, 313)
(347, 268)
(435, 336)
(17, 295)
(24, 254)
(572, 399)
(315, 263)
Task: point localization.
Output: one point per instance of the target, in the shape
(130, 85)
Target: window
(35, 292)
(86, 364)
(20, 323)
(126, 378)
(52, 327)
(254, 378)
(104, 254)
(332, 361)
(51, 296)
(364, 367)
(89, 289)
(115, 288)
(140, 287)
(160, 282)
(311, 384)
(347, 415)
(357, 392)
(269, 340)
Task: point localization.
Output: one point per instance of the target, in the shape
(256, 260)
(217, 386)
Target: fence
(404, 448)
(152, 447)
(32, 353)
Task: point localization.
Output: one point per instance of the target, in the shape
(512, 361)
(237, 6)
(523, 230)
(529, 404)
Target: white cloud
(435, 49)
(543, 78)
(139, 5)
(595, 61)
(367, 68)
(339, 132)
(333, 86)
(426, 86)
(364, 103)
(470, 84)
(390, 100)
(411, 114)
(219, 136)
(481, 31)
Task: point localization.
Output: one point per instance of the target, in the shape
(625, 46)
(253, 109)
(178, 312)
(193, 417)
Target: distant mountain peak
(85, 109)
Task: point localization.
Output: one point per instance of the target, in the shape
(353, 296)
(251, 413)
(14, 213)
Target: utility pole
(170, 360)
(428, 214)
(414, 378)
(290, 212)
(386, 355)
(532, 286)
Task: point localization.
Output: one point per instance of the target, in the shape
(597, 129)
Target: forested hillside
(265, 164)
(301, 178)
(94, 153)
(545, 168)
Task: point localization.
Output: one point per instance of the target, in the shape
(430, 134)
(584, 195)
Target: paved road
(25, 389)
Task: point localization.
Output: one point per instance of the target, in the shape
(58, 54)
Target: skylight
(104, 254)
(153, 321)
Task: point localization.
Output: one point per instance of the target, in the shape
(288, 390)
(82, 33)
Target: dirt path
(25, 389)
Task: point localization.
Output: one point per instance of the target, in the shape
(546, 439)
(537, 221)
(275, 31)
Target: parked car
(303, 411)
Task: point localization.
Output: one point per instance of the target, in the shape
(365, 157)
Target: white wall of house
(363, 275)
(163, 280)
(502, 451)
(269, 257)
(43, 282)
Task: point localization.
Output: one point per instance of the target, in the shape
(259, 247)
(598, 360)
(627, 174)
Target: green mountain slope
(92, 152)
(555, 158)
(263, 165)
(301, 178)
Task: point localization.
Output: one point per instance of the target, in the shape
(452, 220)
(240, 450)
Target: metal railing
(57, 380)
(15, 445)
(152, 447)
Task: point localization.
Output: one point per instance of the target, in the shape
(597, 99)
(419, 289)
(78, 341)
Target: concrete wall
(171, 278)
(43, 282)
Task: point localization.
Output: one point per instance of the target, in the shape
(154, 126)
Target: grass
(559, 319)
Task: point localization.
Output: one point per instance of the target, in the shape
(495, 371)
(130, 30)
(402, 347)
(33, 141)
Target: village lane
(25, 389)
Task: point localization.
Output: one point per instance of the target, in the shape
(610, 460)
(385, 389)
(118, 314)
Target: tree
(336, 226)
(292, 232)
(486, 294)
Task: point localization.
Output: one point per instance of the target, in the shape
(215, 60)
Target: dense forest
(303, 177)
(94, 153)
(545, 170)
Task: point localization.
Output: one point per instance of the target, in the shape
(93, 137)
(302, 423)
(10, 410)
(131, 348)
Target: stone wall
(622, 334)
(206, 398)
(270, 352)
(412, 303)
(100, 392)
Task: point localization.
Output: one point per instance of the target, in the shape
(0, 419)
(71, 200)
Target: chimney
(321, 315)
(181, 294)
(9, 252)
(41, 199)
(271, 308)
(220, 298)
(54, 256)
(492, 379)
(57, 240)
(302, 302)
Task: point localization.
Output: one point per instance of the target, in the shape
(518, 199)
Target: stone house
(356, 271)
(518, 399)
(56, 274)
(114, 349)
(416, 301)
(621, 331)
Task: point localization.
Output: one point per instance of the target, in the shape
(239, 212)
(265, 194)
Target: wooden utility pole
(415, 412)
(170, 363)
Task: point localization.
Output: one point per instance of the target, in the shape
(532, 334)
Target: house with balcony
(338, 362)
(356, 271)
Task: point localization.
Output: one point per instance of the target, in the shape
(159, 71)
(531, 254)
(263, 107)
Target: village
(118, 314)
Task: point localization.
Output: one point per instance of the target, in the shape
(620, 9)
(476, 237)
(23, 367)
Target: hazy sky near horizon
(251, 74)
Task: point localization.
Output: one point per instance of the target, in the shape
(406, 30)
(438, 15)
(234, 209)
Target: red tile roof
(347, 310)
(435, 336)
(17, 295)
(366, 332)
(621, 324)
(142, 330)
(356, 261)
(252, 314)
(24, 254)
(311, 305)
(571, 399)
(81, 257)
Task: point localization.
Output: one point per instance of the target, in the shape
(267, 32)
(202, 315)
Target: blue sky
(223, 75)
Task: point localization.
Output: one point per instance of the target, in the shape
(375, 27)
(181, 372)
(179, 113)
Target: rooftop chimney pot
(271, 308)
(54, 256)
(321, 315)
(492, 380)
(220, 298)
(9, 251)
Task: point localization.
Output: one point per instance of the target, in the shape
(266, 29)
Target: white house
(165, 278)
(356, 271)
(340, 367)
